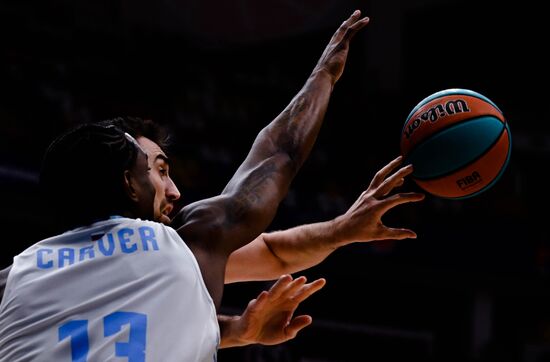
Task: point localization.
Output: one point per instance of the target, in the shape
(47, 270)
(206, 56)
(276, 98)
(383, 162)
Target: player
(119, 286)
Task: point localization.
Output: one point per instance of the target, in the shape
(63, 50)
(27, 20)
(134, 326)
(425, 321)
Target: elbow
(285, 148)
(289, 161)
(279, 265)
(293, 154)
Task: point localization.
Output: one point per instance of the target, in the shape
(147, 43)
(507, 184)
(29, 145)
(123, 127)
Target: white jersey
(120, 290)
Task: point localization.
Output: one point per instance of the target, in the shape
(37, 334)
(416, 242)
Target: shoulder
(148, 227)
(202, 222)
(122, 222)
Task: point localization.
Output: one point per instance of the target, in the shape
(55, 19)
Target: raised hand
(335, 54)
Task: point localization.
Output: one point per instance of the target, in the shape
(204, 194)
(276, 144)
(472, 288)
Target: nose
(172, 192)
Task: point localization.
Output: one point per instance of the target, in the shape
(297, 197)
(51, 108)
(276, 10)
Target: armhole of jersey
(195, 262)
(4, 283)
(204, 288)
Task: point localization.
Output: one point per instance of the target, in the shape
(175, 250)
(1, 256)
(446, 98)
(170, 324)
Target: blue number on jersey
(134, 349)
(78, 332)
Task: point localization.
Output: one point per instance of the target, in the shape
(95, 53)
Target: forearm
(262, 181)
(295, 130)
(284, 252)
(304, 246)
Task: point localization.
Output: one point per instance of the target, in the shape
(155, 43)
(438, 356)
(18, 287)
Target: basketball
(458, 142)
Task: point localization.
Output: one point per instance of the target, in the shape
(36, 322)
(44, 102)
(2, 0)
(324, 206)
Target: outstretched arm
(292, 250)
(213, 228)
(269, 319)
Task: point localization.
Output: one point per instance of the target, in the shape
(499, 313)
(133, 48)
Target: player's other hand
(269, 319)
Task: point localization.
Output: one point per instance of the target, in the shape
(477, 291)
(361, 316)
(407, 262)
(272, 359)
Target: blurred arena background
(475, 284)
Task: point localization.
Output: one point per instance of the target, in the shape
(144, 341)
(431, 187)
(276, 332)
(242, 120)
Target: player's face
(143, 186)
(166, 191)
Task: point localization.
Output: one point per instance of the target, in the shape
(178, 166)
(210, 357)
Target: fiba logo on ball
(458, 142)
(469, 181)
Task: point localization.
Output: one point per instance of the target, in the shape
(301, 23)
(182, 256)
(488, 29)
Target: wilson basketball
(458, 142)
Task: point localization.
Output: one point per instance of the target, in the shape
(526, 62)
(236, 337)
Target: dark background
(474, 286)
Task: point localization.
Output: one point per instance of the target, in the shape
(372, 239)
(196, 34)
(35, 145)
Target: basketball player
(122, 285)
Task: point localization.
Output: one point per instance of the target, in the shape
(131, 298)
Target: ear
(130, 185)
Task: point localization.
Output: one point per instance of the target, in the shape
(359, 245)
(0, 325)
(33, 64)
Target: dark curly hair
(139, 127)
(82, 175)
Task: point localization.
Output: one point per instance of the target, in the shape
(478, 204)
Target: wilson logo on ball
(436, 112)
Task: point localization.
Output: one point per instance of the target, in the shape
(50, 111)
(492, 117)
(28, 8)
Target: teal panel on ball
(454, 147)
(502, 169)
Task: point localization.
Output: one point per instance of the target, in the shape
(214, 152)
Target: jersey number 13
(134, 349)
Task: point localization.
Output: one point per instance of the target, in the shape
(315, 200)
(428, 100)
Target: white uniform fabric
(120, 290)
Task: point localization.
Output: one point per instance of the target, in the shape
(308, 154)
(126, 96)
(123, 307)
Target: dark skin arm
(215, 227)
